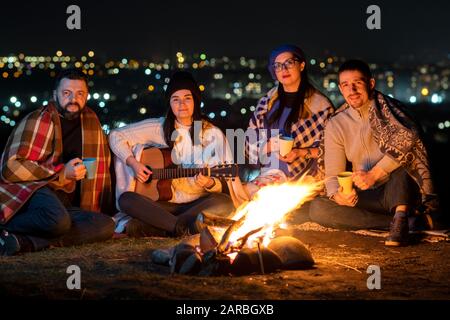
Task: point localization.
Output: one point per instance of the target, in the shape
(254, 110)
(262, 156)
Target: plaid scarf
(398, 136)
(32, 156)
(307, 132)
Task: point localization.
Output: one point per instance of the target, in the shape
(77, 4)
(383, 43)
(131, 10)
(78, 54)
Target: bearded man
(46, 199)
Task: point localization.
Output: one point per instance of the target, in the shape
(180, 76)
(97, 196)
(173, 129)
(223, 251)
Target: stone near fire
(248, 261)
(161, 256)
(180, 253)
(292, 252)
(192, 265)
(215, 264)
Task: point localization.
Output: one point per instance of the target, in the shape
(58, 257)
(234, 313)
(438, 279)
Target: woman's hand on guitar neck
(141, 172)
(204, 182)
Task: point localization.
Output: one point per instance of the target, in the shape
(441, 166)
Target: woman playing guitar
(194, 143)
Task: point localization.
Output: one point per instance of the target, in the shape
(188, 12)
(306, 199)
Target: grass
(122, 269)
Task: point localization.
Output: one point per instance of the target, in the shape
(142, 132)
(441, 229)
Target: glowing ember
(268, 209)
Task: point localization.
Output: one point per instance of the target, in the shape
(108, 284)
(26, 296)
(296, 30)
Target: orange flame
(269, 207)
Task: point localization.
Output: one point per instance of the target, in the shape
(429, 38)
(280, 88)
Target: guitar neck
(174, 173)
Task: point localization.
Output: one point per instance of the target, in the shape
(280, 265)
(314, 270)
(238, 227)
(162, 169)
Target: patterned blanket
(32, 159)
(307, 133)
(398, 136)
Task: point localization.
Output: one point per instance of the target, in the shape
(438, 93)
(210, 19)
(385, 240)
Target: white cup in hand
(286, 144)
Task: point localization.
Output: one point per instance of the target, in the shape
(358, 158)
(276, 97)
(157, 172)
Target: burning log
(224, 243)
(242, 241)
(235, 252)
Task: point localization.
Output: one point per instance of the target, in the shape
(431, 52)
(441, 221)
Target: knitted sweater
(149, 132)
(348, 136)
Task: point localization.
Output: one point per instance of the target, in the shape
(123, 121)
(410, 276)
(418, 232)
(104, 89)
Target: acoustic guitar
(159, 161)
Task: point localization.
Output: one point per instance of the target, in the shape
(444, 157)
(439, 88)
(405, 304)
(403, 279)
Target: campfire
(246, 243)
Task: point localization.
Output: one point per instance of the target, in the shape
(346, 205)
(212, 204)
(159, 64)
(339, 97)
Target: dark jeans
(375, 207)
(300, 215)
(45, 221)
(173, 217)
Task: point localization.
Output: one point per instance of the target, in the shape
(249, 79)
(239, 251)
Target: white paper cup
(91, 167)
(345, 181)
(286, 144)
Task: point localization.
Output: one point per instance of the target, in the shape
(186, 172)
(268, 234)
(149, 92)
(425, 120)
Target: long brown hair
(169, 123)
(299, 109)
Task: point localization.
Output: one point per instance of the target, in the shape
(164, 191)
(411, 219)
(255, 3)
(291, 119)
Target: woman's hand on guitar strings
(141, 172)
(203, 181)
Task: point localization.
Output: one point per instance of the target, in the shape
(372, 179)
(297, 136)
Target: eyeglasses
(288, 64)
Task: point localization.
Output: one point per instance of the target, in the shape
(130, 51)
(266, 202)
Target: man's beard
(68, 114)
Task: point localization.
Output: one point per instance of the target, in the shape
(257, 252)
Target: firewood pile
(210, 253)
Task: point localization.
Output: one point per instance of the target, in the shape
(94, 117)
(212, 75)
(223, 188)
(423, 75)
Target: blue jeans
(46, 222)
(375, 207)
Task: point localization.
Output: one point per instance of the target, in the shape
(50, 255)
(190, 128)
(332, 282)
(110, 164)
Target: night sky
(158, 29)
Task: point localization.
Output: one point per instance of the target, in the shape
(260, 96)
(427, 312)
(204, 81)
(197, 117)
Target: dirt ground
(122, 269)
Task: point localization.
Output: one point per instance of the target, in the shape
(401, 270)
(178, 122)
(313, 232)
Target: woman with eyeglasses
(294, 109)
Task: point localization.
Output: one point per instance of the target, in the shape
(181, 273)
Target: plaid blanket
(398, 136)
(32, 156)
(307, 133)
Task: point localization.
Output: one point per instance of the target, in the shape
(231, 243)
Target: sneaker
(9, 244)
(398, 232)
(422, 222)
(204, 220)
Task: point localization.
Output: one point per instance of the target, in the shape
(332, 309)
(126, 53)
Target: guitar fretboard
(174, 173)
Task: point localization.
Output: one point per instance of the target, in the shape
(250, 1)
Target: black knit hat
(183, 80)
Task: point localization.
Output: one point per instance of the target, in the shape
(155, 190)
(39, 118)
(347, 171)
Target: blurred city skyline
(231, 86)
